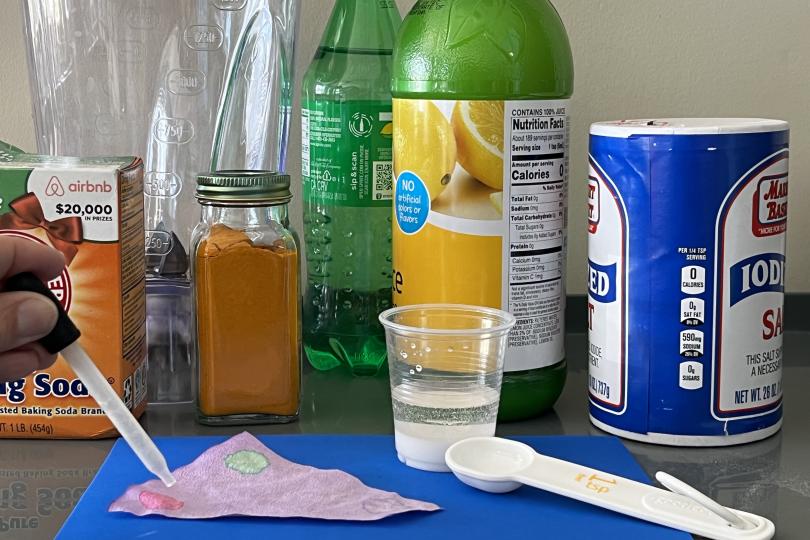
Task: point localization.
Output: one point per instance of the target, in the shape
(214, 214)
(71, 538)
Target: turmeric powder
(247, 325)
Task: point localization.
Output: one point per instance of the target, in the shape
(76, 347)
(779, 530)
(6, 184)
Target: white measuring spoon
(500, 465)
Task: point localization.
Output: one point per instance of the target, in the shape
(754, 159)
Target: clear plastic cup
(446, 366)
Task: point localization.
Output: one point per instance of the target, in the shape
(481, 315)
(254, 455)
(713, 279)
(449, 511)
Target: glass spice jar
(245, 275)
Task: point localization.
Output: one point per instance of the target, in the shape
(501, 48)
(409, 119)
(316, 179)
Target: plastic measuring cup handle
(638, 500)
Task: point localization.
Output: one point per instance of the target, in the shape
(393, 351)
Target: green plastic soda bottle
(347, 177)
(481, 102)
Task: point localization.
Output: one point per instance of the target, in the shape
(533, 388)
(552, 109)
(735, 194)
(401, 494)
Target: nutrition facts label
(692, 343)
(536, 162)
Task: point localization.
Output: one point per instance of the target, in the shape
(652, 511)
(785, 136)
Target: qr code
(383, 181)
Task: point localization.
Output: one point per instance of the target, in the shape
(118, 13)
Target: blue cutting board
(466, 512)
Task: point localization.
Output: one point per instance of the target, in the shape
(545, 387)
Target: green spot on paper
(247, 462)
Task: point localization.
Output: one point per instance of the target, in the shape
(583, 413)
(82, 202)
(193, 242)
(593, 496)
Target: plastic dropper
(64, 339)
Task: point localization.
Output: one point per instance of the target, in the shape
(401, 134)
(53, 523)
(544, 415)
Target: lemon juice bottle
(347, 176)
(481, 108)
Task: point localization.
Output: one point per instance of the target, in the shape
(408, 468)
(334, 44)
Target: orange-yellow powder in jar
(247, 325)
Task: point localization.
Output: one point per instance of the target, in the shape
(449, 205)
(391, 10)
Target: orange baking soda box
(92, 211)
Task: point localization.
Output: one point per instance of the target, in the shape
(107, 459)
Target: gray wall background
(634, 58)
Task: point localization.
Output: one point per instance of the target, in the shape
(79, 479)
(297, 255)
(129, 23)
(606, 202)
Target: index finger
(21, 255)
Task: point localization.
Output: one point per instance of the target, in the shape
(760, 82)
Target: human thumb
(24, 318)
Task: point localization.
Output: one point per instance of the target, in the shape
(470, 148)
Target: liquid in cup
(446, 367)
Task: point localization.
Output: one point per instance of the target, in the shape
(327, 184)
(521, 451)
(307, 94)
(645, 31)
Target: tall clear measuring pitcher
(187, 85)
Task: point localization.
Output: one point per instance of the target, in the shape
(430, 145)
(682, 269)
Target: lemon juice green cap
(486, 49)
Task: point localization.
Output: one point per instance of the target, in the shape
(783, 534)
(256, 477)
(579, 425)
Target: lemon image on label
(388, 130)
(424, 144)
(478, 127)
(497, 201)
(466, 198)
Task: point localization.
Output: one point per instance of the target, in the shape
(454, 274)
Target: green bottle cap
(243, 187)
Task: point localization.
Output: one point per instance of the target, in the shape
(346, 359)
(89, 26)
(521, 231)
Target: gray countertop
(40, 481)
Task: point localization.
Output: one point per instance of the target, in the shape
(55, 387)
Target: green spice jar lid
(244, 187)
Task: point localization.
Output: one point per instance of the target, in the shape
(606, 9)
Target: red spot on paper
(156, 501)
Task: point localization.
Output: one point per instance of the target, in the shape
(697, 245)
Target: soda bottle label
(346, 153)
(480, 212)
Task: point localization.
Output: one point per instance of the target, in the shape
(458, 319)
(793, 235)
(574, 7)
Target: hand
(25, 317)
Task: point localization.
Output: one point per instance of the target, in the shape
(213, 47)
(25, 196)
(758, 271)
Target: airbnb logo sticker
(54, 188)
(89, 195)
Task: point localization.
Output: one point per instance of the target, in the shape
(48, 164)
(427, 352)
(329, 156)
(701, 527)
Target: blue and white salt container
(686, 256)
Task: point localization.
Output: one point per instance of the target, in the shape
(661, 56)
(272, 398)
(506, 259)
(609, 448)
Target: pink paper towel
(242, 477)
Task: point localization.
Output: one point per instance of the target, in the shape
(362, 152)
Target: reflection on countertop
(40, 481)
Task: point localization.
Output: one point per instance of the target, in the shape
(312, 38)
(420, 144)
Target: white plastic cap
(686, 126)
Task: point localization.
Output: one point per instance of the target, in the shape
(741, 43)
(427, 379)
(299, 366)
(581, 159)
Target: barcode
(140, 383)
(383, 181)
